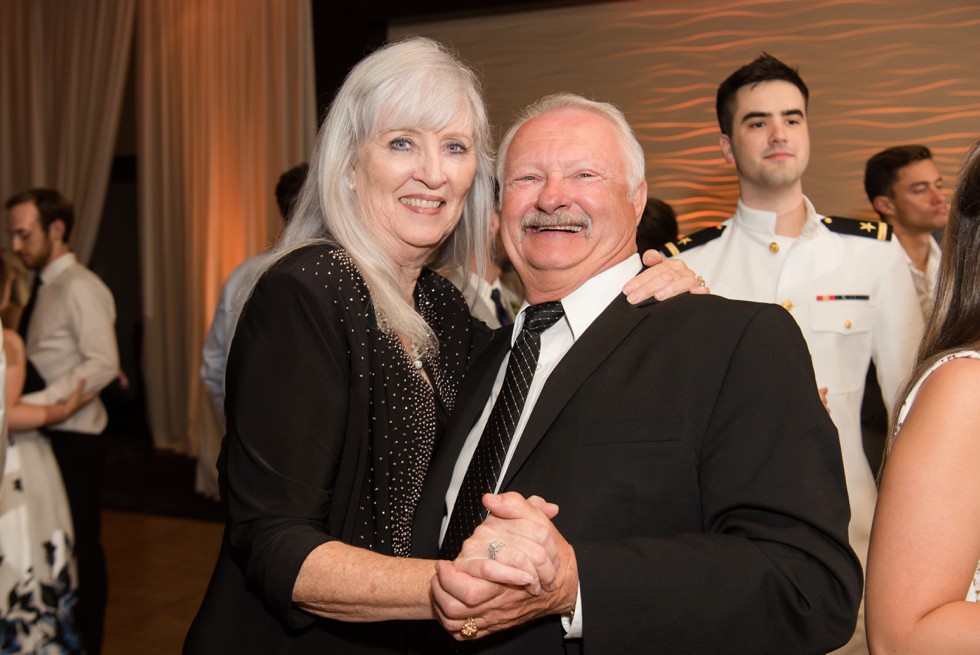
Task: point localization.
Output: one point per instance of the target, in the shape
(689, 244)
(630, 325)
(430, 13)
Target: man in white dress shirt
(70, 336)
(217, 345)
(844, 281)
(906, 189)
(214, 356)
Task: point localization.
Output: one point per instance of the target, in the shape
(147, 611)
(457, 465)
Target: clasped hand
(533, 573)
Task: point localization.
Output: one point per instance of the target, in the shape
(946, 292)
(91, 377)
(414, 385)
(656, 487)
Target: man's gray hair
(632, 150)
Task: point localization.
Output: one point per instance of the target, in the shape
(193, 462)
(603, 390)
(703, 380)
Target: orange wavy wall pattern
(880, 73)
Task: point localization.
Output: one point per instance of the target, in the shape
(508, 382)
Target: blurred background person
(906, 190)
(38, 578)
(494, 297)
(658, 226)
(68, 327)
(20, 290)
(218, 342)
(214, 355)
(923, 574)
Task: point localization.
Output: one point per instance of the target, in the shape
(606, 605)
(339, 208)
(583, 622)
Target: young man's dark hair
(764, 68)
(881, 171)
(658, 225)
(288, 187)
(51, 207)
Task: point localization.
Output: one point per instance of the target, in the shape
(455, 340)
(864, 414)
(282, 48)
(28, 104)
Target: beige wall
(880, 73)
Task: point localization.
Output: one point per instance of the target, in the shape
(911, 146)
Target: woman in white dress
(925, 541)
(37, 568)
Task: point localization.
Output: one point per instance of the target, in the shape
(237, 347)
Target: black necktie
(25, 318)
(503, 317)
(488, 458)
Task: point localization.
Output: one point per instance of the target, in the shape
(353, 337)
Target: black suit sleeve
(771, 572)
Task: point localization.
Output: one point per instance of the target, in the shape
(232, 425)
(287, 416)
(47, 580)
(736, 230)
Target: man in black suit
(698, 476)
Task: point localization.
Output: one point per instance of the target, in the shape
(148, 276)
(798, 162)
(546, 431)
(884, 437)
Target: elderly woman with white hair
(346, 362)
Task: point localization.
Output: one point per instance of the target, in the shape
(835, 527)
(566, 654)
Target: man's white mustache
(564, 220)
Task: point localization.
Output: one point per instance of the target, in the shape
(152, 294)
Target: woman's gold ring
(469, 628)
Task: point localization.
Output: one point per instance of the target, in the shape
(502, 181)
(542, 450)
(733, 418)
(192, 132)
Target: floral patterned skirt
(38, 580)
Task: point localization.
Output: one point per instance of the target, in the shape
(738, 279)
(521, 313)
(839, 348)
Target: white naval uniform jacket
(854, 301)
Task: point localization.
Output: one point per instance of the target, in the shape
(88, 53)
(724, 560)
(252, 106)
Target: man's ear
(640, 200)
(725, 143)
(884, 206)
(56, 231)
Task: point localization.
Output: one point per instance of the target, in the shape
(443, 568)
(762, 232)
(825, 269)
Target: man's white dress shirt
(925, 281)
(71, 337)
(476, 293)
(582, 307)
(214, 357)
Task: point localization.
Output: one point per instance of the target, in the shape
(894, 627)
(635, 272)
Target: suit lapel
(589, 351)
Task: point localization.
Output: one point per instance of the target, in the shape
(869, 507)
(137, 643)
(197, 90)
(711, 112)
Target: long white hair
(416, 82)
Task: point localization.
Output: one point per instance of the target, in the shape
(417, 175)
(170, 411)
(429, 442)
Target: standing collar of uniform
(57, 267)
(584, 305)
(760, 220)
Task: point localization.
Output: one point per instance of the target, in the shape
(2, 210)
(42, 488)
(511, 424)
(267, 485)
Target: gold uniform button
(787, 304)
(847, 324)
(774, 247)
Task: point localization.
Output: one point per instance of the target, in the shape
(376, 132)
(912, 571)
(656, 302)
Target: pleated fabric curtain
(62, 73)
(226, 102)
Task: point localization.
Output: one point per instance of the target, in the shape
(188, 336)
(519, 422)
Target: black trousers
(81, 458)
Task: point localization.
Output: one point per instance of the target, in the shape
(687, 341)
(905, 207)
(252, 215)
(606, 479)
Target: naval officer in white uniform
(844, 281)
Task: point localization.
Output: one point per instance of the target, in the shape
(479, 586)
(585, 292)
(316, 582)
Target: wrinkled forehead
(567, 136)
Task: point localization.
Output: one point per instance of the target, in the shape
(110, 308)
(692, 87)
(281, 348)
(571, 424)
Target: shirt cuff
(572, 623)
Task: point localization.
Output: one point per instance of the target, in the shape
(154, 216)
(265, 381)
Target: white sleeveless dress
(972, 594)
(38, 580)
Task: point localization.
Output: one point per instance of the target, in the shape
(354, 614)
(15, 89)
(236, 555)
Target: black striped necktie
(488, 458)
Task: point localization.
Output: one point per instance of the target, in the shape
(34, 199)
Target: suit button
(787, 305)
(774, 247)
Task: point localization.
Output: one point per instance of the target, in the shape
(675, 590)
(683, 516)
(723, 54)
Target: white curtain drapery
(62, 74)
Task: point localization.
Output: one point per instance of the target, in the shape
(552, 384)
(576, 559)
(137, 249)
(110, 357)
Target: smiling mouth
(418, 202)
(557, 228)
